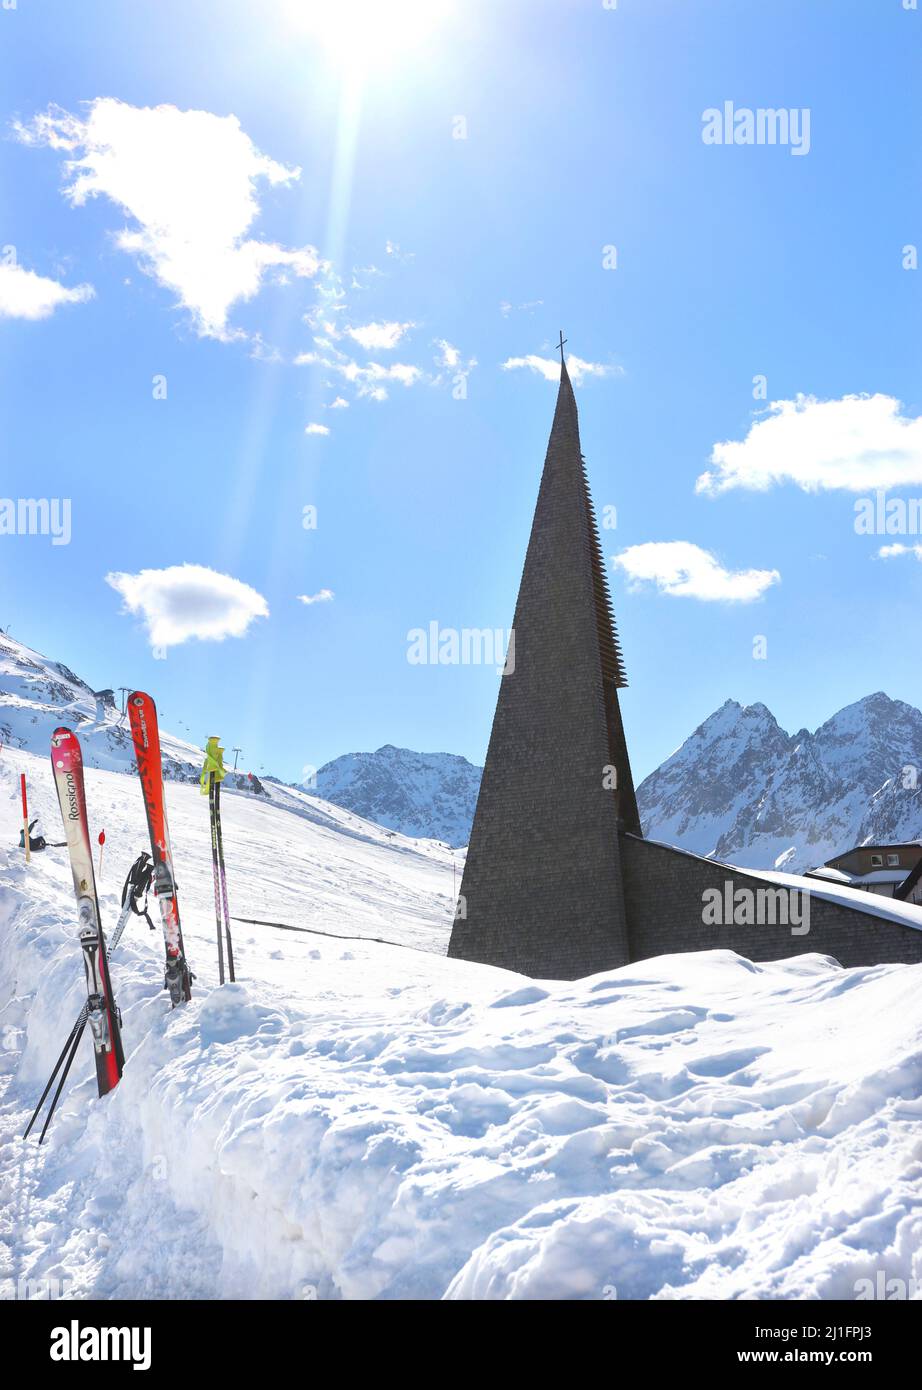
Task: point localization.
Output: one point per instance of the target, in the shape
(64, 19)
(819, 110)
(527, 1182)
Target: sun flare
(359, 35)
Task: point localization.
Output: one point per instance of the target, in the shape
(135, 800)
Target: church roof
(542, 885)
(565, 433)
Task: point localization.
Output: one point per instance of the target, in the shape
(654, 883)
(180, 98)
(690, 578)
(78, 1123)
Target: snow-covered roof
(892, 909)
(858, 880)
(873, 904)
(879, 876)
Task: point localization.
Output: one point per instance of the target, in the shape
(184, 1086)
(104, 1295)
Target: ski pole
(102, 842)
(78, 1026)
(57, 1094)
(212, 812)
(25, 817)
(227, 930)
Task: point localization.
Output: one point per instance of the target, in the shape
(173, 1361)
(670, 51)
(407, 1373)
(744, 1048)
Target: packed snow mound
(742, 790)
(419, 794)
(361, 1120)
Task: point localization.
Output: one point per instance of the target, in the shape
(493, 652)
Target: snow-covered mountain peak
(739, 721)
(866, 711)
(742, 789)
(420, 794)
(37, 694)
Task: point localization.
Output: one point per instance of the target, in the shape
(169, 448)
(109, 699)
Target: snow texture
(363, 1120)
(354, 1120)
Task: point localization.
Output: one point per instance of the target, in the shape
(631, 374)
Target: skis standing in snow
(136, 885)
(67, 763)
(142, 715)
(100, 1010)
(213, 774)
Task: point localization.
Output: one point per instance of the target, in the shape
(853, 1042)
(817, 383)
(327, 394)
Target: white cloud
(188, 181)
(189, 601)
(855, 443)
(379, 337)
(449, 359)
(394, 250)
(506, 308)
(262, 351)
(324, 596)
(25, 295)
(685, 570)
(369, 378)
(452, 368)
(887, 552)
(316, 429)
(449, 356)
(330, 299)
(549, 367)
(328, 329)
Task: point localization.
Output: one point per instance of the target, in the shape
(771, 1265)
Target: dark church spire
(542, 887)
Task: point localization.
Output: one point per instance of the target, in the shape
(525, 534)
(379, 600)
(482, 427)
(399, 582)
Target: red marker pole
(102, 841)
(25, 817)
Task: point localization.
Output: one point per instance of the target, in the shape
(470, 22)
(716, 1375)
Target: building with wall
(881, 869)
(560, 881)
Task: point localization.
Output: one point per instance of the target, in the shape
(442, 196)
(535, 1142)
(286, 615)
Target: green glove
(214, 763)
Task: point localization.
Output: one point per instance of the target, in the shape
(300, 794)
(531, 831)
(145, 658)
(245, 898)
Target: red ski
(142, 714)
(101, 1010)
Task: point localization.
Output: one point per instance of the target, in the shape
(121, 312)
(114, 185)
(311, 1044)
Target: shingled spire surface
(542, 888)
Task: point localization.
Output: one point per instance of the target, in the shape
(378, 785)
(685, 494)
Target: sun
(360, 35)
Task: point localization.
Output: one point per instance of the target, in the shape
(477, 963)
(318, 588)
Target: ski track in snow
(356, 1120)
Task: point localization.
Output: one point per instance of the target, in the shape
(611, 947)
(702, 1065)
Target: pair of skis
(68, 768)
(100, 1010)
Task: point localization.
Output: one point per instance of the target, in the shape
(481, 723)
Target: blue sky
(403, 260)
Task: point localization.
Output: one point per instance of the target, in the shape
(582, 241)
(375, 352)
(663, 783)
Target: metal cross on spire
(560, 346)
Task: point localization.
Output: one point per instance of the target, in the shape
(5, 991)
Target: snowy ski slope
(360, 1120)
